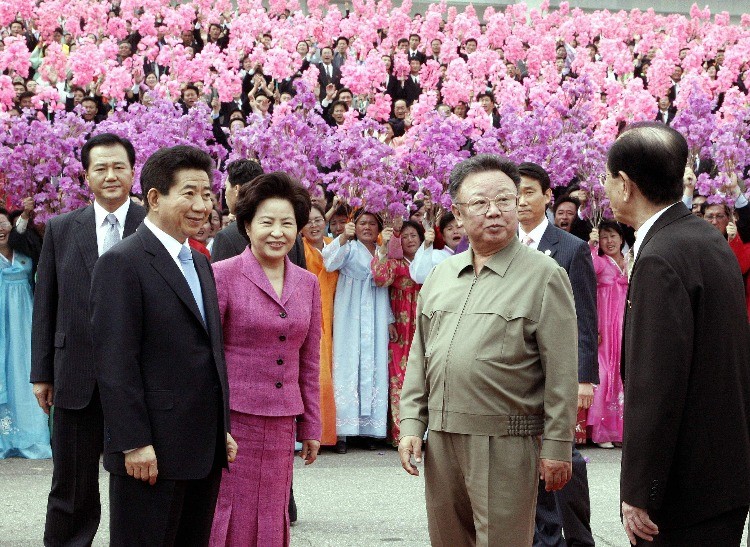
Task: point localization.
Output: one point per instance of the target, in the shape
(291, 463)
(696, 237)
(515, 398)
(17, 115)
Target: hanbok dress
(361, 315)
(24, 429)
(605, 414)
(403, 292)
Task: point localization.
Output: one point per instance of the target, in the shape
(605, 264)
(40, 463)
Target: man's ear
(457, 213)
(152, 198)
(628, 186)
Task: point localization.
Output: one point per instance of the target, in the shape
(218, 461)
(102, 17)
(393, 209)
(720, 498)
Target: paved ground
(361, 499)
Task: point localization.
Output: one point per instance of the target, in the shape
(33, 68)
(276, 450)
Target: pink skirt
(254, 494)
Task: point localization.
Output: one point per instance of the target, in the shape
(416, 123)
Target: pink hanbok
(605, 414)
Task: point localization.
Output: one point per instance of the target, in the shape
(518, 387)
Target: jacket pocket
(160, 399)
(502, 336)
(59, 339)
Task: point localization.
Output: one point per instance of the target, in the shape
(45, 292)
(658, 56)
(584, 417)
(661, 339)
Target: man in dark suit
(568, 510)
(62, 366)
(327, 72)
(159, 358)
(229, 241)
(413, 53)
(410, 88)
(685, 478)
(666, 112)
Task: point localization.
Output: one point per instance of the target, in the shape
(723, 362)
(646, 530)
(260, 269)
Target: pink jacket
(272, 345)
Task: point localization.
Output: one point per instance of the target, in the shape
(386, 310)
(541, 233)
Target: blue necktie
(112, 236)
(191, 275)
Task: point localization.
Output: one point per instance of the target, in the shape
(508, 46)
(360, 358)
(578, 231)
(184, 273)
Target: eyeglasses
(316, 222)
(720, 216)
(480, 205)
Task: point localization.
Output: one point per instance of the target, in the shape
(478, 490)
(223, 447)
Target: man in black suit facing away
(62, 366)
(685, 478)
(159, 360)
(229, 242)
(567, 511)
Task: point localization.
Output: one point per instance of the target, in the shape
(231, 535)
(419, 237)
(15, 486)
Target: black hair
(567, 198)
(402, 41)
(359, 214)
(415, 34)
(653, 155)
(106, 140)
(188, 88)
(272, 185)
(486, 94)
(446, 219)
(344, 38)
(536, 172)
(417, 226)
(705, 205)
(607, 224)
(479, 164)
(160, 170)
(241, 171)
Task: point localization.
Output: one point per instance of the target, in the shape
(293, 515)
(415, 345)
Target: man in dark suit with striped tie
(62, 367)
(567, 511)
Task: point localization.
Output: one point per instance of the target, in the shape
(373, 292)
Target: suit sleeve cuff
(412, 426)
(561, 451)
(308, 431)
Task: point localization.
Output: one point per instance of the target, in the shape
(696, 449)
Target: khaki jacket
(495, 354)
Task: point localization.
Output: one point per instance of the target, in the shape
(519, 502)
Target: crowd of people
(328, 347)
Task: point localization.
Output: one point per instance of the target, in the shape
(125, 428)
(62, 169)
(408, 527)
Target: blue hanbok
(361, 315)
(24, 430)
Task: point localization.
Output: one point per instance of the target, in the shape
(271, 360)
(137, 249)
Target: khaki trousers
(481, 490)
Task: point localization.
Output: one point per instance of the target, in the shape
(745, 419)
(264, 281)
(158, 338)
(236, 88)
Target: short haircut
(241, 171)
(319, 209)
(326, 48)
(402, 41)
(567, 198)
(344, 90)
(88, 99)
(654, 156)
(25, 95)
(344, 38)
(106, 140)
(272, 185)
(339, 103)
(536, 172)
(446, 219)
(190, 87)
(160, 169)
(76, 89)
(470, 40)
(488, 94)
(481, 163)
(414, 34)
(727, 211)
(416, 225)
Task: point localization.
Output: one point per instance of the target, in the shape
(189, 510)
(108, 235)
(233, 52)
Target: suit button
(282, 338)
(283, 315)
(280, 362)
(279, 384)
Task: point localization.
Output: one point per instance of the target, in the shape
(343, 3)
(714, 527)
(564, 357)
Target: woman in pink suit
(271, 319)
(605, 414)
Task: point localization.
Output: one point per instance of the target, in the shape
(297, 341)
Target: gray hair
(481, 163)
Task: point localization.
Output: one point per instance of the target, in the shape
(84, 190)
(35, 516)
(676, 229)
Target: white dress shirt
(172, 246)
(640, 234)
(102, 226)
(536, 234)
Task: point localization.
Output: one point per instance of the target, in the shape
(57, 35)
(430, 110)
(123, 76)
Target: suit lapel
(675, 212)
(254, 272)
(163, 263)
(208, 290)
(133, 219)
(549, 241)
(86, 239)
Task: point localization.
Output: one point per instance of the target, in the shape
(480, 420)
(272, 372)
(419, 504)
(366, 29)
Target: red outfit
(403, 292)
(742, 252)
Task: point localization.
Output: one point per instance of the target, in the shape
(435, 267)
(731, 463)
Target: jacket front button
(280, 362)
(283, 315)
(282, 338)
(278, 385)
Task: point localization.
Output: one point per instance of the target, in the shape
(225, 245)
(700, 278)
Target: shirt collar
(499, 262)
(121, 213)
(537, 233)
(640, 234)
(171, 244)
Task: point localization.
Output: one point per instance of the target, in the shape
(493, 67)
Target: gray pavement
(360, 499)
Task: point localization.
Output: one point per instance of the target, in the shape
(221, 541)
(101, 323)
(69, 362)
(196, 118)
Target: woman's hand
(386, 234)
(731, 231)
(231, 449)
(429, 237)
(349, 230)
(309, 451)
(392, 332)
(594, 237)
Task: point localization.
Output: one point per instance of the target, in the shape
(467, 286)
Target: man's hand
(330, 92)
(44, 393)
(28, 208)
(555, 474)
(637, 523)
(309, 451)
(231, 449)
(688, 182)
(585, 395)
(408, 445)
(141, 464)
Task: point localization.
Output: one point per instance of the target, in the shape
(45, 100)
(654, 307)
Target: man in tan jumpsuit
(492, 372)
